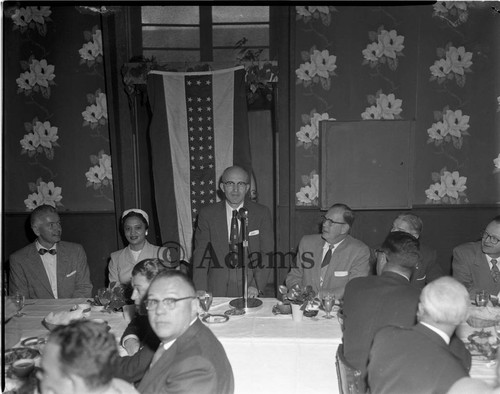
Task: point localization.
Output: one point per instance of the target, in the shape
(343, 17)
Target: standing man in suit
(49, 267)
(331, 259)
(427, 269)
(476, 264)
(421, 359)
(376, 301)
(190, 359)
(213, 269)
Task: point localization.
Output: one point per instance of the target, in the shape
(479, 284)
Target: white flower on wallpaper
(315, 12)
(451, 126)
(453, 63)
(95, 114)
(309, 193)
(453, 12)
(43, 193)
(100, 174)
(38, 76)
(318, 67)
(383, 107)
(496, 163)
(386, 47)
(91, 52)
(41, 138)
(448, 188)
(308, 135)
(25, 18)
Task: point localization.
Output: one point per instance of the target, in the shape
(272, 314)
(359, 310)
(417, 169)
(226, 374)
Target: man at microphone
(217, 257)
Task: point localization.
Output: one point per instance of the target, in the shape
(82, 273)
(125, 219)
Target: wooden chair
(350, 380)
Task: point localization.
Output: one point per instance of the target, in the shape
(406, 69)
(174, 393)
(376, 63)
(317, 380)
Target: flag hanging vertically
(199, 127)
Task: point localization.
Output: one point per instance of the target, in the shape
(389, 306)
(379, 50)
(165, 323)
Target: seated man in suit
(213, 268)
(422, 359)
(373, 302)
(190, 359)
(427, 269)
(331, 259)
(49, 267)
(475, 264)
(78, 359)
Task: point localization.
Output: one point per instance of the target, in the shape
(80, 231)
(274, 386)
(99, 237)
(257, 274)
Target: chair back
(349, 378)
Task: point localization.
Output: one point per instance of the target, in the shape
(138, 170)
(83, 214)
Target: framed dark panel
(366, 164)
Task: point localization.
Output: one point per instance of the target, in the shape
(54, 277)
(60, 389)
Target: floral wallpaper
(56, 147)
(434, 64)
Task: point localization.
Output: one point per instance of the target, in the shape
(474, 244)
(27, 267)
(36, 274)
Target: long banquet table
(268, 353)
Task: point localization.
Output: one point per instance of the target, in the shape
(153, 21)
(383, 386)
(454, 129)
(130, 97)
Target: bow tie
(42, 251)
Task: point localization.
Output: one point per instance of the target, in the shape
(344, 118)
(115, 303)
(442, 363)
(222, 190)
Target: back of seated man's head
(78, 358)
(400, 252)
(444, 301)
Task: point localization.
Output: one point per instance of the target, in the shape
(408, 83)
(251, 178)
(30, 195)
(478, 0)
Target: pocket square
(341, 273)
(71, 274)
(254, 232)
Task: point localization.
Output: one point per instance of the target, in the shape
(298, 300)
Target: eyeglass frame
(231, 184)
(485, 235)
(330, 221)
(169, 303)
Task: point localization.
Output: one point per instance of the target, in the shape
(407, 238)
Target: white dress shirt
(50, 265)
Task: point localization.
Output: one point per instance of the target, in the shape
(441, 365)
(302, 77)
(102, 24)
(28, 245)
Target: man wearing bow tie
(49, 267)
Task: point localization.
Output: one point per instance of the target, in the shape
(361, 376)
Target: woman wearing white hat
(135, 223)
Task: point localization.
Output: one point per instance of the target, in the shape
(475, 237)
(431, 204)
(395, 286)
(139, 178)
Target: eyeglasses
(485, 235)
(330, 222)
(231, 184)
(168, 303)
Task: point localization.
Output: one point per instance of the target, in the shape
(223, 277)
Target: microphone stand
(245, 302)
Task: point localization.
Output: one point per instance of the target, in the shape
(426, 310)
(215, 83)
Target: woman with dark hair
(135, 223)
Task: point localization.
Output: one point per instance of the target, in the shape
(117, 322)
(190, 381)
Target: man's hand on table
(252, 292)
(132, 346)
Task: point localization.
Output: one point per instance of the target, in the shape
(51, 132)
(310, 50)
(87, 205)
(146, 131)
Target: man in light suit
(212, 268)
(49, 267)
(331, 259)
(190, 359)
(476, 264)
(422, 359)
(376, 301)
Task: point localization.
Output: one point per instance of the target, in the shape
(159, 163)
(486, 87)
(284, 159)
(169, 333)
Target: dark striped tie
(495, 272)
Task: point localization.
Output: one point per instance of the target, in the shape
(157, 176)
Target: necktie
(495, 272)
(159, 352)
(327, 258)
(42, 251)
(233, 239)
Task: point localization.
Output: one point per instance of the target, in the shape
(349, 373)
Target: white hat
(136, 210)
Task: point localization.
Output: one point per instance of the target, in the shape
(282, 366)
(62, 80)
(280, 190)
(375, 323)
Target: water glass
(481, 298)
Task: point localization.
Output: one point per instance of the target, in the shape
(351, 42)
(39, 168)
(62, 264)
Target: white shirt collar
(169, 344)
(39, 246)
(334, 246)
(441, 333)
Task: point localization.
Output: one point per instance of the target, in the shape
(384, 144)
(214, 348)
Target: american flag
(199, 128)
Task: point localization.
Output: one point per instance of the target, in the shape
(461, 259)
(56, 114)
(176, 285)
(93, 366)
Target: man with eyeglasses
(331, 259)
(189, 359)
(476, 264)
(215, 266)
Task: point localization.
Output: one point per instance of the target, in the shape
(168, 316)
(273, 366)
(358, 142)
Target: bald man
(213, 269)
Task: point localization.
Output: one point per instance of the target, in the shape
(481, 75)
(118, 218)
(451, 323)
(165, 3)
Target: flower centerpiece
(112, 298)
(484, 344)
(299, 295)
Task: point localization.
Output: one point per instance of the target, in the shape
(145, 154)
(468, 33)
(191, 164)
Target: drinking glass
(18, 300)
(205, 299)
(328, 300)
(481, 298)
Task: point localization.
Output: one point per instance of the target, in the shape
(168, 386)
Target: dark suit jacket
(210, 271)
(195, 363)
(428, 269)
(415, 360)
(140, 327)
(371, 303)
(349, 260)
(28, 275)
(471, 268)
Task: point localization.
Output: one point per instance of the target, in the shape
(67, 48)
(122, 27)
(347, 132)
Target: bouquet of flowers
(112, 298)
(303, 296)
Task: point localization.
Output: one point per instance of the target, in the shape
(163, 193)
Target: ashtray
(213, 319)
(282, 309)
(20, 353)
(33, 341)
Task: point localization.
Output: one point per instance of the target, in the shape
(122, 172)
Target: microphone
(243, 212)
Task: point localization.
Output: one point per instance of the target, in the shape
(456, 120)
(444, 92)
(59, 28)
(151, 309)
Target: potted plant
(112, 298)
(300, 297)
